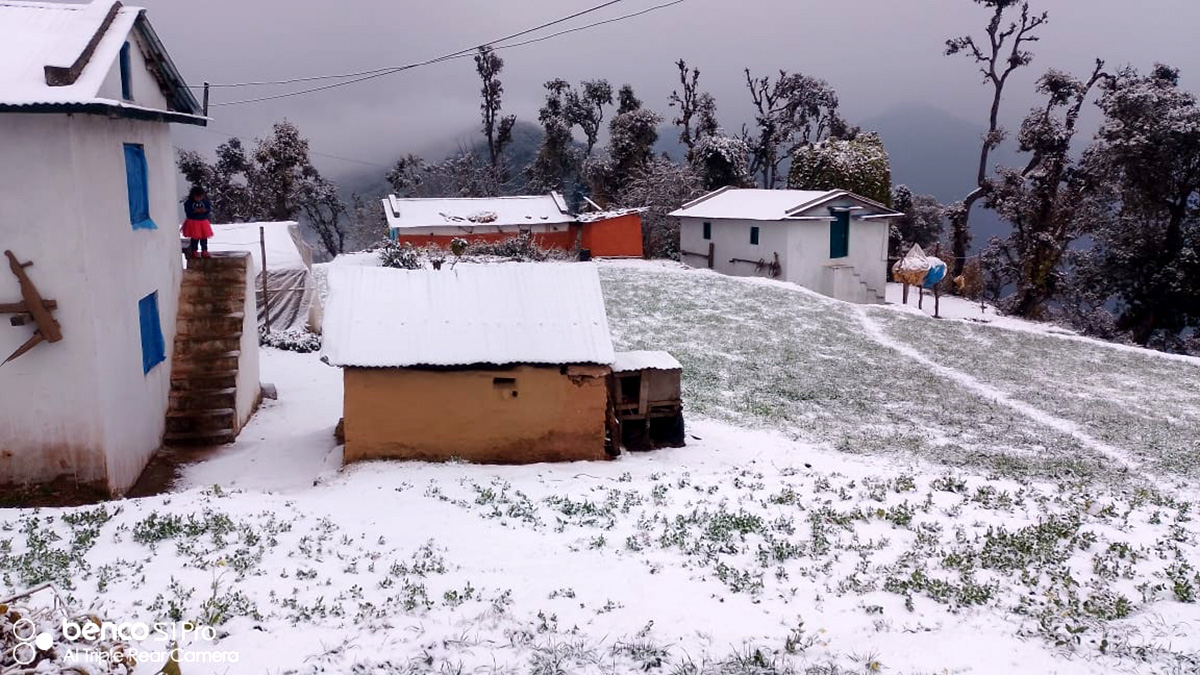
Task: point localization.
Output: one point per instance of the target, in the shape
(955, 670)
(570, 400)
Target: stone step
(191, 421)
(220, 260)
(199, 365)
(203, 399)
(187, 346)
(219, 326)
(197, 289)
(229, 276)
(196, 307)
(194, 438)
(201, 379)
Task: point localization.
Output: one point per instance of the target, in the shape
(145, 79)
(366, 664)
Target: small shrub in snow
(401, 256)
(291, 340)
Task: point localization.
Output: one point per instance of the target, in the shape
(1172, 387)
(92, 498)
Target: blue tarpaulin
(937, 272)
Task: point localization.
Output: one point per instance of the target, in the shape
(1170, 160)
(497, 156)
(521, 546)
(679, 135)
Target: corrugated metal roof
(476, 213)
(34, 35)
(508, 313)
(645, 360)
(749, 204)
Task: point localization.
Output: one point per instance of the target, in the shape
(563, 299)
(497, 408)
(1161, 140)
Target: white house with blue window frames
(88, 194)
(833, 242)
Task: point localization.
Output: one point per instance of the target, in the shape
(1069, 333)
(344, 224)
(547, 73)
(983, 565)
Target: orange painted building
(437, 222)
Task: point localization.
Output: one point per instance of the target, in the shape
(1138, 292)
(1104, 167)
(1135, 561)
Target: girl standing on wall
(198, 225)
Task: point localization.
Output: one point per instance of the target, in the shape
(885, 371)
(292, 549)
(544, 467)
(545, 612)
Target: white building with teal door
(88, 196)
(833, 242)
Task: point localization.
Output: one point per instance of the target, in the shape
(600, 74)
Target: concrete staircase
(208, 343)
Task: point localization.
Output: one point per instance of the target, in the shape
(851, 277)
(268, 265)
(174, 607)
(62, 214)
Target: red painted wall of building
(616, 237)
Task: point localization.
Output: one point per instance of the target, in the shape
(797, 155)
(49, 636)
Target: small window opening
(708, 230)
(754, 236)
(126, 74)
(631, 388)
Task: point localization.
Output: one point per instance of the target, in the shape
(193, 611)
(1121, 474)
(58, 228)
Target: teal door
(839, 235)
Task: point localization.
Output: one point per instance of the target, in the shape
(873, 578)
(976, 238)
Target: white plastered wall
(83, 408)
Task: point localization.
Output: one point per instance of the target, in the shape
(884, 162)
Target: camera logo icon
(29, 642)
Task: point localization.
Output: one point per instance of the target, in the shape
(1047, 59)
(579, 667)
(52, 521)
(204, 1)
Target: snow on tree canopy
(860, 165)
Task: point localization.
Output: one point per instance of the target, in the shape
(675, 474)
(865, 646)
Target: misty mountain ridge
(931, 151)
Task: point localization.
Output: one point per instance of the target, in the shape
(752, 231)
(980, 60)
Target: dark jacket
(197, 210)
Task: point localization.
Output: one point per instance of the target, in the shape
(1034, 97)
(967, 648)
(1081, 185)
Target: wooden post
(712, 254)
(904, 300)
(920, 297)
(937, 295)
(262, 242)
(206, 99)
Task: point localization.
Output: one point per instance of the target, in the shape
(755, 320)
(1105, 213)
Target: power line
(293, 81)
(462, 53)
(227, 135)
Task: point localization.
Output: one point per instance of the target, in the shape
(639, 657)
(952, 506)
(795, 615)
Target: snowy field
(865, 490)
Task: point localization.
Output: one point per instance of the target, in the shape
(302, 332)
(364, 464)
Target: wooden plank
(20, 308)
(61, 76)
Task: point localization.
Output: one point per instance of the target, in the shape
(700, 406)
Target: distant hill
(934, 152)
(372, 183)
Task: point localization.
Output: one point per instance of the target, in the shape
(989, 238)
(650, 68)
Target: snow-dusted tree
(860, 165)
(224, 180)
(585, 108)
(324, 211)
(556, 164)
(627, 101)
(281, 173)
(497, 128)
(1049, 203)
(632, 135)
(1145, 257)
(1002, 54)
(661, 186)
(790, 112)
(407, 175)
(697, 116)
(721, 160)
(272, 183)
(922, 221)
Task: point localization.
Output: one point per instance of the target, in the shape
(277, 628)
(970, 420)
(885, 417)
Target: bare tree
(791, 112)
(997, 58)
(497, 128)
(693, 104)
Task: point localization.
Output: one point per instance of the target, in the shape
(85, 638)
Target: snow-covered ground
(863, 490)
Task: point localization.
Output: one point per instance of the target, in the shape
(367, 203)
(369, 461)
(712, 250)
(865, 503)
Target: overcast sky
(877, 53)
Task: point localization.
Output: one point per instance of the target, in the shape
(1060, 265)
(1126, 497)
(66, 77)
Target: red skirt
(197, 229)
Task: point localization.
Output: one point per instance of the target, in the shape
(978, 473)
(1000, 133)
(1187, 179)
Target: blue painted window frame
(126, 73)
(154, 348)
(754, 235)
(839, 235)
(138, 185)
(708, 230)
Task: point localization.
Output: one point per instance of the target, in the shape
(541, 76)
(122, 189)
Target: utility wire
(462, 53)
(227, 136)
(380, 70)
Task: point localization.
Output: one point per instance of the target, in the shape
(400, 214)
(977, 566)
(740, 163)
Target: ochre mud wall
(517, 415)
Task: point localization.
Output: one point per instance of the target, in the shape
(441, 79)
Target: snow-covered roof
(501, 314)
(283, 251)
(645, 360)
(470, 212)
(756, 204)
(596, 216)
(56, 57)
